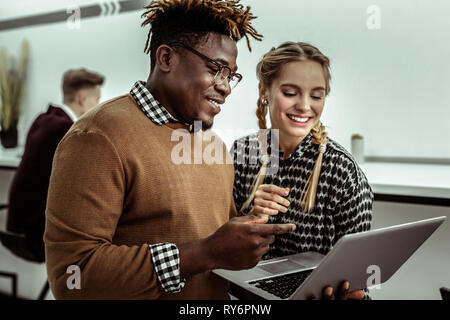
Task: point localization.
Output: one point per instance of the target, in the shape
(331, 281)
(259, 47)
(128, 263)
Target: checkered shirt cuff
(166, 260)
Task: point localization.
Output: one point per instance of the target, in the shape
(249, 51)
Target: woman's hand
(342, 293)
(269, 200)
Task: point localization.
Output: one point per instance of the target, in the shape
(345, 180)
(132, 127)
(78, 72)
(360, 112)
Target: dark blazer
(28, 191)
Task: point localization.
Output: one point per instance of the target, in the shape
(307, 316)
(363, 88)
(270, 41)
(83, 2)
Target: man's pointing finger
(275, 229)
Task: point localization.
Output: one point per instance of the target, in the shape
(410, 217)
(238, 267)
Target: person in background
(135, 223)
(303, 176)
(28, 191)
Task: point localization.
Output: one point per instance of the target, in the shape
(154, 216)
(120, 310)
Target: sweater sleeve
(84, 205)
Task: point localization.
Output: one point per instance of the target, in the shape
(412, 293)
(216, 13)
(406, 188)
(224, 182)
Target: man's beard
(199, 124)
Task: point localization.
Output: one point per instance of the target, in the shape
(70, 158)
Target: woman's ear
(165, 57)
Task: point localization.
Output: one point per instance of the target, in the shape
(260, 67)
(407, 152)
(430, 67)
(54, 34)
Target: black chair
(445, 293)
(17, 244)
(13, 277)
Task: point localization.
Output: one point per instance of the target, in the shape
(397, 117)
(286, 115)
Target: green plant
(12, 81)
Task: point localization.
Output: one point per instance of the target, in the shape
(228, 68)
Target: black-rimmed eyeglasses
(223, 72)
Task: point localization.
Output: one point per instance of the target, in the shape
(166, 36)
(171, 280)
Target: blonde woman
(301, 176)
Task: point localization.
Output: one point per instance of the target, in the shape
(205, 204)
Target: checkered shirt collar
(149, 105)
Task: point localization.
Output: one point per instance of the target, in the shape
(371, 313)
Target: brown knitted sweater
(114, 190)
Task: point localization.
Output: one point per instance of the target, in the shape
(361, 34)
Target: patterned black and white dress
(344, 197)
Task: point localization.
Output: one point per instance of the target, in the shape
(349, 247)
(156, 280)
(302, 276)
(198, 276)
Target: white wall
(389, 84)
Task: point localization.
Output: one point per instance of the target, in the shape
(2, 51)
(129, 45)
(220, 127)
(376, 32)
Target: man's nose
(223, 86)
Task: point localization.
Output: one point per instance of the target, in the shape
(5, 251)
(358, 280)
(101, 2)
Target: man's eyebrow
(225, 63)
(221, 61)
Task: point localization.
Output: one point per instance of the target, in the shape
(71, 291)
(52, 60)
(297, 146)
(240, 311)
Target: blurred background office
(390, 79)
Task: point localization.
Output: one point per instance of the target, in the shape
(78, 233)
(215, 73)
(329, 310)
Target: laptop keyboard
(282, 286)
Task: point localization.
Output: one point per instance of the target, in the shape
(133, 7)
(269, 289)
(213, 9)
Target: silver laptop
(364, 259)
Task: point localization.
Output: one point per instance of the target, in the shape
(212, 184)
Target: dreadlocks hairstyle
(190, 20)
(267, 70)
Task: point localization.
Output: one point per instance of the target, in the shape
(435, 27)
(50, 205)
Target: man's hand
(342, 293)
(238, 244)
(241, 242)
(269, 200)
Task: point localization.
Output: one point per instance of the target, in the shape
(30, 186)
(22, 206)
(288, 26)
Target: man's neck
(75, 108)
(157, 89)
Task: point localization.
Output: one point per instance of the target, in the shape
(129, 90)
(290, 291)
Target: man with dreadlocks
(123, 220)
